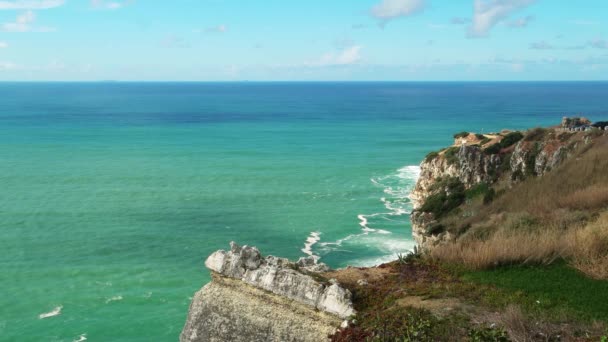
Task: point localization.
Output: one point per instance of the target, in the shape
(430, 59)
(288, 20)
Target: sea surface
(113, 194)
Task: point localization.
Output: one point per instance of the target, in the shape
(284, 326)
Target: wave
(312, 239)
(81, 338)
(113, 299)
(55, 312)
(397, 188)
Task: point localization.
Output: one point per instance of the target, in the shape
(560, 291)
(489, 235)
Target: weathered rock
(280, 280)
(228, 309)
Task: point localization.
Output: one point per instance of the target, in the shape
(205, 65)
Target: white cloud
(110, 5)
(392, 9)
(7, 66)
(3, 45)
(488, 13)
(217, 29)
(347, 56)
(30, 4)
(23, 23)
(521, 22)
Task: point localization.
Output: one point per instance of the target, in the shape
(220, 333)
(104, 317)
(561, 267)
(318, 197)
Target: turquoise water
(114, 193)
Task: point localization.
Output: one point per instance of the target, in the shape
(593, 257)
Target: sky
(306, 40)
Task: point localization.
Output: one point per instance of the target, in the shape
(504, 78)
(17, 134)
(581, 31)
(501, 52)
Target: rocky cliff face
(265, 299)
(538, 152)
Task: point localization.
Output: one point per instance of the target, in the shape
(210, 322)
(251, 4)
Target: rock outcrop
(252, 298)
(540, 151)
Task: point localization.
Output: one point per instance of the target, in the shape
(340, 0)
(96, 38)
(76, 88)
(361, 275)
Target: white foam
(81, 338)
(55, 312)
(312, 239)
(397, 188)
(113, 299)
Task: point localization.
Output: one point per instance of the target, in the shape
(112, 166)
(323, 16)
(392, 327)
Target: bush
(429, 157)
(451, 155)
(480, 136)
(510, 139)
(488, 335)
(535, 134)
(451, 195)
(489, 196)
(477, 190)
(461, 135)
(493, 149)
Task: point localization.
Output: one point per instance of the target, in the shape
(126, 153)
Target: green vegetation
(461, 135)
(536, 134)
(419, 299)
(492, 149)
(511, 139)
(556, 289)
(450, 194)
(431, 156)
(451, 155)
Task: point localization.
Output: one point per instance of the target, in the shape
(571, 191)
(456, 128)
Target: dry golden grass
(541, 219)
(505, 248)
(586, 247)
(589, 251)
(589, 198)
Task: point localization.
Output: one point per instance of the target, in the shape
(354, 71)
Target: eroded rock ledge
(252, 298)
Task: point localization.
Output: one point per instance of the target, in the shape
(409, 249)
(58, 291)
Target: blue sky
(211, 40)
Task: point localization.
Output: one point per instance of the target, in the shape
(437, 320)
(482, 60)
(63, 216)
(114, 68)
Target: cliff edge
(252, 298)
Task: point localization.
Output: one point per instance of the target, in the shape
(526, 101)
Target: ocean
(113, 194)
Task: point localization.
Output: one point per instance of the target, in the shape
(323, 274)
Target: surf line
(312, 239)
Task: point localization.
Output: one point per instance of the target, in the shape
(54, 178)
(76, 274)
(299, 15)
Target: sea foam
(55, 312)
(396, 188)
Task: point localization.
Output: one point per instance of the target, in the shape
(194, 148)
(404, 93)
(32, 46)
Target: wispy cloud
(542, 45)
(3, 45)
(584, 22)
(109, 5)
(347, 56)
(521, 22)
(173, 41)
(30, 4)
(217, 29)
(599, 44)
(488, 13)
(391, 9)
(24, 23)
(222, 28)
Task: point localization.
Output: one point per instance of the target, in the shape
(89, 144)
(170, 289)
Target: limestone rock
(308, 309)
(227, 309)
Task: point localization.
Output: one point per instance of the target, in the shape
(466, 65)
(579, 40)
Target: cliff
(485, 163)
(252, 298)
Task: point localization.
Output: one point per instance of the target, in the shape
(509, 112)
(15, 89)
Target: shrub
(488, 335)
(429, 157)
(489, 196)
(511, 139)
(484, 141)
(477, 190)
(461, 135)
(451, 155)
(535, 134)
(450, 195)
(493, 149)
(480, 136)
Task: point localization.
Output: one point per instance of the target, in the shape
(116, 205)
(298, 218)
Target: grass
(556, 289)
(419, 299)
